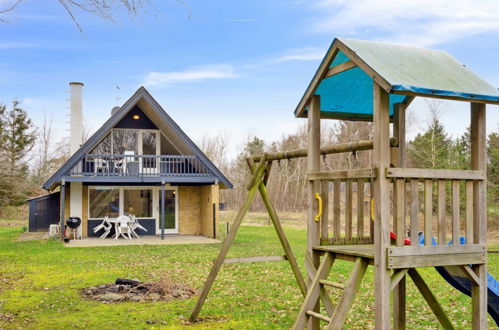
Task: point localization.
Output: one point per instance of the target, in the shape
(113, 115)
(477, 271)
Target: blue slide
(455, 277)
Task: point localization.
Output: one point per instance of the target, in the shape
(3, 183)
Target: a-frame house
(139, 162)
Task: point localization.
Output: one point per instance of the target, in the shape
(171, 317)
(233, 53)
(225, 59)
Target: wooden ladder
(337, 315)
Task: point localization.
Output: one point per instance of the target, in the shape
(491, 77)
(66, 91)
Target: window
(104, 202)
(125, 140)
(104, 146)
(138, 202)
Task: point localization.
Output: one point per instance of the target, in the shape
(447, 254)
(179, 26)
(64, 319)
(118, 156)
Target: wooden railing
(438, 188)
(438, 203)
(347, 213)
(139, 165)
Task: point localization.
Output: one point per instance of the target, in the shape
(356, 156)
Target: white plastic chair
(123, 227)
(54, 230)
(134, 225)
(104, 225)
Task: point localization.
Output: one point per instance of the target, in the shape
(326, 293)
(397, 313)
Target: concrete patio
(145, 240)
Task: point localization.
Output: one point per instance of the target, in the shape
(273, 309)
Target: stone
(113, 288)
(154, 296)
(111, 297)
(136, 299)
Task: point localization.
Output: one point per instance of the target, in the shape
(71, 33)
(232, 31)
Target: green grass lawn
(40, 283)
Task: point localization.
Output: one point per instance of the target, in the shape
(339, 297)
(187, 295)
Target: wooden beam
(440, 255)
(319, 316)
(434, 174)
(313, 165)
(256, 179)
(393, 251)
(280, 231)
(314, 291)
(325, 210)
(430, 299)
(332, 284)
(399, 160)
(351, 289)
(397, 276)
(456, 228)
(471, 275)
(428, 212)
(366, 173)
(441, 212)
(340, 68)
(326, 150)
(414, 212)
(326, 300)
(378, 79)
(479, 162)
(254, 259)
(381, 160)
(326, 62)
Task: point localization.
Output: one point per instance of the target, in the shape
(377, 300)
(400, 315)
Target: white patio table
(132, 224)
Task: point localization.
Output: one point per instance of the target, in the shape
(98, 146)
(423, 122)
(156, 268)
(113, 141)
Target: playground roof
(344, 80)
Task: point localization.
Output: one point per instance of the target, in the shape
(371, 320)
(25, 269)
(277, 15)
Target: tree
(461, 158)
(48, 155)
(215, 148)
(103, 9)
(18, 137)
(432, 148)
(493, 167)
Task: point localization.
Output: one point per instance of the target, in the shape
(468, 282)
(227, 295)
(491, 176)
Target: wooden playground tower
(359, 80)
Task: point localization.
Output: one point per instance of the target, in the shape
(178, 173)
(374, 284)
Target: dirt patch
(163, 290)
(33, 236)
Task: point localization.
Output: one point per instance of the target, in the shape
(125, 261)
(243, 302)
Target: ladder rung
(319, 316)
(332, 284)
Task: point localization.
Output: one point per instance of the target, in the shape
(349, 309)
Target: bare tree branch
(101, 8)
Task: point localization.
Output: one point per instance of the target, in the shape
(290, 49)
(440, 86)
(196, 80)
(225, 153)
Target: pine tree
(18, 138)
(432, 148)
(461, 152)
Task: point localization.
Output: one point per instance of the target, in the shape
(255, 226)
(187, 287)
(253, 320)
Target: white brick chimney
(76, 122)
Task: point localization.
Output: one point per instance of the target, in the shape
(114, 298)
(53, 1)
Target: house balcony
(139, 166)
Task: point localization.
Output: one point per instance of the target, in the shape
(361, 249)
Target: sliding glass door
(149, 147)
(171, 224)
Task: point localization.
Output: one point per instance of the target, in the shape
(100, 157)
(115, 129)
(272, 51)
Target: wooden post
(381, 160)
(162, 210)
(313, 165)
(256, 179)
(278, 228)
(479, 162)
(63, 206)
(398, 160)
(325, 210)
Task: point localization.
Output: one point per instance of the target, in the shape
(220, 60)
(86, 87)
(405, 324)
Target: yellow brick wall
(189, 207)
(209, 195)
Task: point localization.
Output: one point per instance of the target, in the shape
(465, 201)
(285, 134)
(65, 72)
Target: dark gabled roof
(141, 93)
(345, 77)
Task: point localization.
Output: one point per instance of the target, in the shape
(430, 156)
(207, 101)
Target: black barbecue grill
(73, 222)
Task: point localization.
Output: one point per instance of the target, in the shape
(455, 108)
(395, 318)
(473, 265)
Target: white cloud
(420, 23)
(195, 74)
(304, 54)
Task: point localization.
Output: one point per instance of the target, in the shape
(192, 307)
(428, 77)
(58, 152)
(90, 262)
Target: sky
(238, 67)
